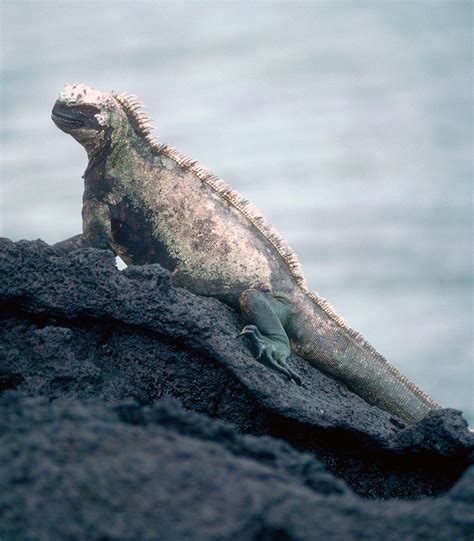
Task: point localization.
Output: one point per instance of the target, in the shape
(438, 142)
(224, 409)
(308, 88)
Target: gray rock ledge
(100, 373)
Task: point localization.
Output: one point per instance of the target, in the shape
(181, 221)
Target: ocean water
(348, 124)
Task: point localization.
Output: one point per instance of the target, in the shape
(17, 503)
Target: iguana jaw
(67, 119)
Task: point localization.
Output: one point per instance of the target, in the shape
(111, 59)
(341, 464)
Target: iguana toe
(267, 351)
(293, 375)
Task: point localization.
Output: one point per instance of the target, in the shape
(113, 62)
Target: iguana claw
(267, 352)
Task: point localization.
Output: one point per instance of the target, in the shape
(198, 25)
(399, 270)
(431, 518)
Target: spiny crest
(141, 124)
(133, 108)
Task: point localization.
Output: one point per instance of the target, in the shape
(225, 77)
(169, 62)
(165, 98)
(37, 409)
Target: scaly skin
(150, 204)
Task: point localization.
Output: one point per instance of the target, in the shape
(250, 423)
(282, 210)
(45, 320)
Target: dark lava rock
(72, 470)
(91, 452)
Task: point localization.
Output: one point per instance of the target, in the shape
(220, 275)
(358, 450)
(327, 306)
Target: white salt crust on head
(82, 94)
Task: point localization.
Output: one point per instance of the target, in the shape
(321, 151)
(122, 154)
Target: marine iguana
(149, 203)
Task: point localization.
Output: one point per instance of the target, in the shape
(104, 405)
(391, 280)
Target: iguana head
(88, 115)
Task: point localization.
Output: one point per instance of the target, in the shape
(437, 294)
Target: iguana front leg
(71, 244)
(96, 228)
(266, 332)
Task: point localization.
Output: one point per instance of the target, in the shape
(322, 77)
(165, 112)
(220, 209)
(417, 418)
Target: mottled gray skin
(149, 204)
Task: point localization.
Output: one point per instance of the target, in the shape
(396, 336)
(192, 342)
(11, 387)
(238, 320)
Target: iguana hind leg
(266, 331)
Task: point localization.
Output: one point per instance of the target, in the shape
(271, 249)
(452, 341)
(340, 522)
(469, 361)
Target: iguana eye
(87, 110)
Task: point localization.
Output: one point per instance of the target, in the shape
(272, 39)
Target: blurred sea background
(349, 124)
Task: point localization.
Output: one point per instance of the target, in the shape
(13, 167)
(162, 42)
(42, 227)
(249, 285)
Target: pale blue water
(348, 123)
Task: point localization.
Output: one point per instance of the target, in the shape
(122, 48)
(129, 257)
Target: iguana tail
(323, 338)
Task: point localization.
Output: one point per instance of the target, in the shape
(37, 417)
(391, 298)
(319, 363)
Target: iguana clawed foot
(271, 352)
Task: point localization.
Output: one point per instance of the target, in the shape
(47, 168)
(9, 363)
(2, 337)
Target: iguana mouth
(67, 120)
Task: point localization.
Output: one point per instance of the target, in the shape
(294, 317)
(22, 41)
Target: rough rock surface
(90, 450)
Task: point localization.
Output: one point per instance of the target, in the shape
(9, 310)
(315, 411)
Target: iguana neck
(113, 165)
(96, 157)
